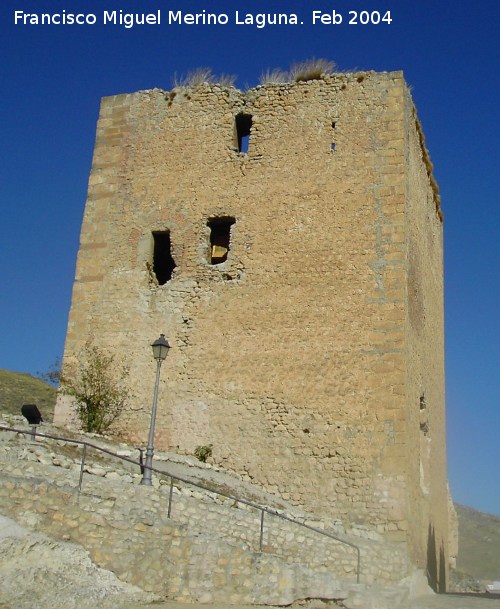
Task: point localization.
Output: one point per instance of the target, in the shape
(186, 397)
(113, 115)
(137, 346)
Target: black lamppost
(160, 351)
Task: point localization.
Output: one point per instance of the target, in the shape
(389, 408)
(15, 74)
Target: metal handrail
(264, 510)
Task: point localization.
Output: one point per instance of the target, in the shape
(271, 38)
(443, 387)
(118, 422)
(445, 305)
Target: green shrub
(202, 453)
(98, 389)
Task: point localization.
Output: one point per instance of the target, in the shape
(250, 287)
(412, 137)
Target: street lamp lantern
(160, 351)
(160, 348)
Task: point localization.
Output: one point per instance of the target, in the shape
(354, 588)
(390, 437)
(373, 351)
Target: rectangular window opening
(220, 238)
(333, 145)
(243, 124)
(163, 262)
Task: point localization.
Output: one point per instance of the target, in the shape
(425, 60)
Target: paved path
(436, 601)
(456, 601)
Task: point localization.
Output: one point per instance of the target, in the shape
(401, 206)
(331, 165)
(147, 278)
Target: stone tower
(288, 242)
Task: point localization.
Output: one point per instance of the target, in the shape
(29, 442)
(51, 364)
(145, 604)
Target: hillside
(18, 388)
(479, 543)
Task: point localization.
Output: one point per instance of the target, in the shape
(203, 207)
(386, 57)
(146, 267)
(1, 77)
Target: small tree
(53, 374)
(99, 389)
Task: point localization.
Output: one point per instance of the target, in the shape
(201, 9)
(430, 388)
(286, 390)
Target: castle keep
(287, 240)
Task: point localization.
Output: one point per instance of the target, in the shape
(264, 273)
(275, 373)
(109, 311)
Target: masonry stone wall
(304, 356)
(425, 398)
(205, 547)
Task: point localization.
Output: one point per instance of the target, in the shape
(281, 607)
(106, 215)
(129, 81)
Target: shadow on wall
(436, 566)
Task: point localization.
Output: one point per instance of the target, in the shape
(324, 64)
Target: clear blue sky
(52, 78)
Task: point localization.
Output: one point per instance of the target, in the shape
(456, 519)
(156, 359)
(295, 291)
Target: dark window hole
(220, 238)
(243, 124)
(163, 263)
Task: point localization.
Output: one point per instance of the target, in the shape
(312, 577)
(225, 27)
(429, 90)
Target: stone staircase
(180, 541)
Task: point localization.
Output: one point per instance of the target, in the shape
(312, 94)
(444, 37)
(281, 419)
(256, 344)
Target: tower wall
(304, 356)
(424, 329)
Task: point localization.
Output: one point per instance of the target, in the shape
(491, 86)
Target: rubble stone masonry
(312, 357)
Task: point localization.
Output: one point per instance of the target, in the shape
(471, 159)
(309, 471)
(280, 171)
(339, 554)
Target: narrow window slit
(243, 123)
(424, 419)
(163, 263)
(220, 238)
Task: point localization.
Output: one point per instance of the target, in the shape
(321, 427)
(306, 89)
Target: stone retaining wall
(207, 550)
